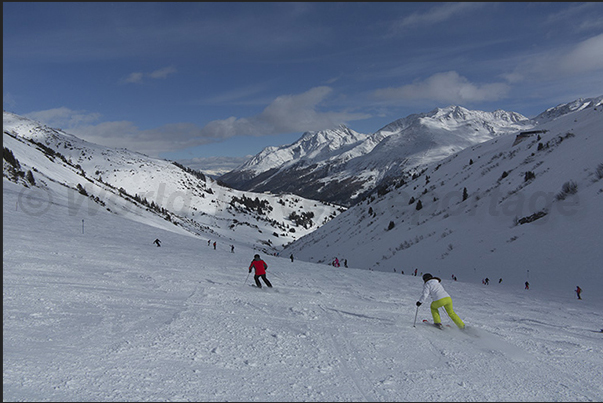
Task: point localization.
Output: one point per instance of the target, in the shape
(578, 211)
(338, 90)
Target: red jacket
(259, 265)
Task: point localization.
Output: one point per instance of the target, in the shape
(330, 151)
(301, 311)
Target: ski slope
(94, 311)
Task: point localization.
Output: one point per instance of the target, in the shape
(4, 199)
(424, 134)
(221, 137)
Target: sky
(99, 313)
(207, 83)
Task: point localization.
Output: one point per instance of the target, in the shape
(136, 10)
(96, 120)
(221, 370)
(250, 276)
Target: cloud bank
(448, 87)
(581, 58)
(286, 114)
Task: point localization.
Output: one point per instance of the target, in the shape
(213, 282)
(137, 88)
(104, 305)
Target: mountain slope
(106, 316)
(497, 209)
(134, 185)
(349, 165)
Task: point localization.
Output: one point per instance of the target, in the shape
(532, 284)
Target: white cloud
(162, 73)
(214, 166)
(437, 14)
(120, 134)
(444, 87)
(138, 77)
(63, 118)
(586, 56)
(286, 114)
(125, 134)
(581, 58)
(134, 78)
(580, 16)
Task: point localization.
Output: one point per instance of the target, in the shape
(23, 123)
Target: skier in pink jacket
(432, 288)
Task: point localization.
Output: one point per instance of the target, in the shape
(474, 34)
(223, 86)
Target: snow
(93, 311)
(480, 237)
(199, 205)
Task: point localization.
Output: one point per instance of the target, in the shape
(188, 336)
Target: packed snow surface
(94, 311)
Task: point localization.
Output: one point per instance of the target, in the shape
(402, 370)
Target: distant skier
(578, 291)
(416, 272)
(157, 242)
(500, 280)
(527, 285)
(231, 248)
(345, 263)
(291, 258)
(214, 245)
(487, 281)
(209, 242)
(441, 298)
(260, 271)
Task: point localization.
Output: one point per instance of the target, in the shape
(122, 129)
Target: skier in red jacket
(260, 271)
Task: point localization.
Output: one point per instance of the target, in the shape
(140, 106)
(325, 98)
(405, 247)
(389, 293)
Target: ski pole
(415, 322)
(246, 278)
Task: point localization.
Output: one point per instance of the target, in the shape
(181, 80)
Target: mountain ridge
(133, 185)
(364, 163)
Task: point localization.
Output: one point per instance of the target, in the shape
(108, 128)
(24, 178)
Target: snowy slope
(517, 223)
(134, 186)
(350, 164)
(101, 314)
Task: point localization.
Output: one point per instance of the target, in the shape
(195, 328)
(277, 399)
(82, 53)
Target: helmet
(427, 277)
(256, 256)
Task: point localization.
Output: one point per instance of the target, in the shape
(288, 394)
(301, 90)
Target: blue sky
(191, 81)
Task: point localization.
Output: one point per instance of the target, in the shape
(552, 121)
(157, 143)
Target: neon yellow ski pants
(447, 304)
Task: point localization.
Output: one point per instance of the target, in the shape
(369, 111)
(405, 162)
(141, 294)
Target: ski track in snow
(107, 316)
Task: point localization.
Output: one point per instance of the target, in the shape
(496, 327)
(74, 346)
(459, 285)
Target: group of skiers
(432, 288)
(232, 248)
(337, 263)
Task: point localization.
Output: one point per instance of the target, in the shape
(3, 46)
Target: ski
(261, 288)
(441, 327)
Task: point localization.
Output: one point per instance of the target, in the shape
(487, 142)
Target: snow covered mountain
(134, 186)
(563, 109)
(301, 167)
(342, 166)
(497, 209)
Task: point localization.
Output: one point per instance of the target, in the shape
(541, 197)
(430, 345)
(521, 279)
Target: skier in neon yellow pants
(447, 304)
(441, 298)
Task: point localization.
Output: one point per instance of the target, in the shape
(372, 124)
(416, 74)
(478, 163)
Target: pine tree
(30, 178)
(10, 158)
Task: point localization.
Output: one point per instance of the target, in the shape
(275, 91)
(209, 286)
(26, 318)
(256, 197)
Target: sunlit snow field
(94, 311)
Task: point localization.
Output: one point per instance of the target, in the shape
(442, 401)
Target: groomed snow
(93, 311)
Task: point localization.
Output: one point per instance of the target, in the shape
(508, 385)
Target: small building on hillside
(525, 134)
